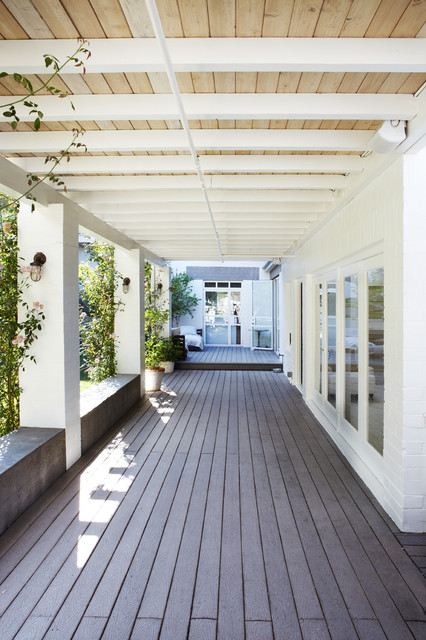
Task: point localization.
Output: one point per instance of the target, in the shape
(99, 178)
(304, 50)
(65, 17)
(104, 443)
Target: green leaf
(14, 124)
(3, 74)
(37, 124)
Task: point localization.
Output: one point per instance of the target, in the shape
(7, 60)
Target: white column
(51, 388)
(413, 443)
(162, 278)
(130, 319)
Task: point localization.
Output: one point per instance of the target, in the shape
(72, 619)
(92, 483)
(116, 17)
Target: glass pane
(331, 342)
(236, 334)
(262, 314)
(318, 340)
(376, 381)
(262, 337)
(216, 312)
(216, 334)
(351, 350)
(216, 307)
(236, 307)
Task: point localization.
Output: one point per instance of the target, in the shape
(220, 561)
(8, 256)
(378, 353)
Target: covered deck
(218, 508)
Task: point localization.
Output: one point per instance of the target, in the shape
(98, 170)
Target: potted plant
(153, 370)
(170, 352)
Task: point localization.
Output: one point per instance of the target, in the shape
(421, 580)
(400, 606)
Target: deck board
(218, 509)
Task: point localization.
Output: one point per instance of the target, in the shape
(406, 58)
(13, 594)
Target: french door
(325, 361)
(262, 313)
(223, 317)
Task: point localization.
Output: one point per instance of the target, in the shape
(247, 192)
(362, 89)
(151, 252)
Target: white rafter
(191, 196)
(142, 183)
(243, 106)
(235, 209)
(204, 139)
(406, 55)
(209, 164)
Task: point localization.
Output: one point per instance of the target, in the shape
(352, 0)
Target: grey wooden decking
(231, 358)
(220, 509)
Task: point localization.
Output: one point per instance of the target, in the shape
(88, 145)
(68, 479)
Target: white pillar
(162, 278)
(413, 443)
(51, 388)
(130, 321)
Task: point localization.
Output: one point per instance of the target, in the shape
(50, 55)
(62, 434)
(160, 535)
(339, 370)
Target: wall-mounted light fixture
(159, 286)
(36, 265)
(126, 282)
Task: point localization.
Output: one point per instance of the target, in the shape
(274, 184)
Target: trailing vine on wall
(19, 321)
(98, 281)
(12, 114)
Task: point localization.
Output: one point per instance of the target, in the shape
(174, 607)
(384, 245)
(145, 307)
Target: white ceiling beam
(142, 183)
(14, 181)
(253, 106)
(191, 196)
(204, 139)
(405, 55)
(190, 210)
(209, 164)
(294, 222)
(200, 227)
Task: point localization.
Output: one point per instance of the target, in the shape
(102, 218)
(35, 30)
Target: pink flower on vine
(97, 361)
(1, 266)
(112, 335)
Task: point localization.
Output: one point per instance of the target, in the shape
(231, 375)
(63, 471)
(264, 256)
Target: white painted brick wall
(388, 218)
(414, 341)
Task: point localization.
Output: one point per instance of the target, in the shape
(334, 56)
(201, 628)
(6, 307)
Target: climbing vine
(18, 331)
(98, 282)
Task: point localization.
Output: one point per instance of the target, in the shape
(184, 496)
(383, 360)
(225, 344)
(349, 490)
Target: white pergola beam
(194, 196)
(254, 106)
(136, 55)
(204, 139)
(143, 183)
(260, 226)
(190, 210)
(209, 164)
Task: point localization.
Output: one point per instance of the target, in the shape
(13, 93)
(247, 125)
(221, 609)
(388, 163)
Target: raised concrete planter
(31, 459)
(104, 404)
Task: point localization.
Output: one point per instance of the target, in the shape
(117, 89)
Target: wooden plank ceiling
(282, 99)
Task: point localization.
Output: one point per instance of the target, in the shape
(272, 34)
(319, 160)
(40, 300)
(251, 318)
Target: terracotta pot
(153, 379)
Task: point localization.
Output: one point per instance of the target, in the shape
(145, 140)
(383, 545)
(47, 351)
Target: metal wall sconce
(35, 271)
(159, 286)
(126, 282)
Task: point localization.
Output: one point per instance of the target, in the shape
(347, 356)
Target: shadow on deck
(219, 509)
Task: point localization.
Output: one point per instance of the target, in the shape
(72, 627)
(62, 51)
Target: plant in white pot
(170, 352)
(153, 370)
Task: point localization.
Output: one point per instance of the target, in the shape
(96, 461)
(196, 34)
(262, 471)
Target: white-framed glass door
(222, 317)
(326, 365)
(348, 376)
(262, 313)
